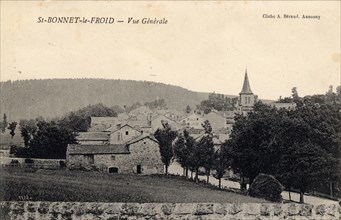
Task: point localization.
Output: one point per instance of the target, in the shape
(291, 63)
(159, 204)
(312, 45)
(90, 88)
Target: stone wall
(78, 210)
(37, 163)
(120, 161)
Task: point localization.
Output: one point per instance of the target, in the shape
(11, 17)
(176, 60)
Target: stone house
(158, 120)
(123, 134)
(216, 120)
(141, 155)
(192, 121)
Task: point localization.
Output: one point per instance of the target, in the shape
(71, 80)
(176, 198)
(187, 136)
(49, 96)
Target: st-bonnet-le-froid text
(100, 20)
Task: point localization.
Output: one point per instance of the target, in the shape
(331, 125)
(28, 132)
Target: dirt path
(175, 168)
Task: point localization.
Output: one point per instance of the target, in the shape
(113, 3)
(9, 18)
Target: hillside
(55, 97)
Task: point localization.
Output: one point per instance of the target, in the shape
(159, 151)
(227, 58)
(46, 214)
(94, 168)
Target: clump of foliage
(12, 126)
(79, 121)
(165, 137)
(49, 141)
(218, 102)
(3, 124)
(266, 187)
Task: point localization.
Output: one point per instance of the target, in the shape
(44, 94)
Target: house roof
(103, 120)
(139, 122)
(246, 86)
(97, 149)
(162, 115)
(92, 136)
(126, 125)
(221, 131)
(141, 137)
(196, 130)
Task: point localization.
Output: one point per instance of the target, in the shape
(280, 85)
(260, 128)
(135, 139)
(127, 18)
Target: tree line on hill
(51, 98)
(300, 147)
(218, 102)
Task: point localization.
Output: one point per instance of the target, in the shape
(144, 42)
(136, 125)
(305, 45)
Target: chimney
(118, 126)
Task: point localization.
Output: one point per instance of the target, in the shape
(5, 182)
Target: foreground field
(65, 185)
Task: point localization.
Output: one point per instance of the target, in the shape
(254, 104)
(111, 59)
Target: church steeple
(246, 86)
(246, 97)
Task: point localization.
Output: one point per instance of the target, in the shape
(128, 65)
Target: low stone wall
(82, 210)
(37, 163)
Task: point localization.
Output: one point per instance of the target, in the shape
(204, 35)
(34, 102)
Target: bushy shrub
(266, 187)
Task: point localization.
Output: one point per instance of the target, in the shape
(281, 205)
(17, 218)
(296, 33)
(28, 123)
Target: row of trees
(190, 153)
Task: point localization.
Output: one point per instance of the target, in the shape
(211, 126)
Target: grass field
(65, 185)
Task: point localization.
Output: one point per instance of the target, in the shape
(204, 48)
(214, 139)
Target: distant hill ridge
(25, 99)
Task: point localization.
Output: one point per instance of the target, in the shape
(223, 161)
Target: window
(113, 157)
(138, 169)
(144, 142)
(118, 136)
(127, 132)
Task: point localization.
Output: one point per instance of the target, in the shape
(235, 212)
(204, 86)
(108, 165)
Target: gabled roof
(162, 115)
(97, 149)
(139, 122)
(141, 137)
(126, 125)
(92, 136)
(246, 86)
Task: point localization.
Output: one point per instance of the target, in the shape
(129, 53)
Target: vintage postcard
(170, 109)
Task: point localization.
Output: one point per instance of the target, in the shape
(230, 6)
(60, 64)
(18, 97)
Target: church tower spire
(246, 97)
(246, 86)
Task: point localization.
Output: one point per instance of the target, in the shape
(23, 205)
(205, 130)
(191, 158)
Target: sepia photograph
(193, 110)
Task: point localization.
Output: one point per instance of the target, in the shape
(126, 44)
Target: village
(145, 144)
(126, 143)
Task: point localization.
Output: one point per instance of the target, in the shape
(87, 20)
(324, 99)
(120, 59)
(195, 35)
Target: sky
(205, 46)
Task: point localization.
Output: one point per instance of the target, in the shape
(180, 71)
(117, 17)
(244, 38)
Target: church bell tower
(246, 97)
